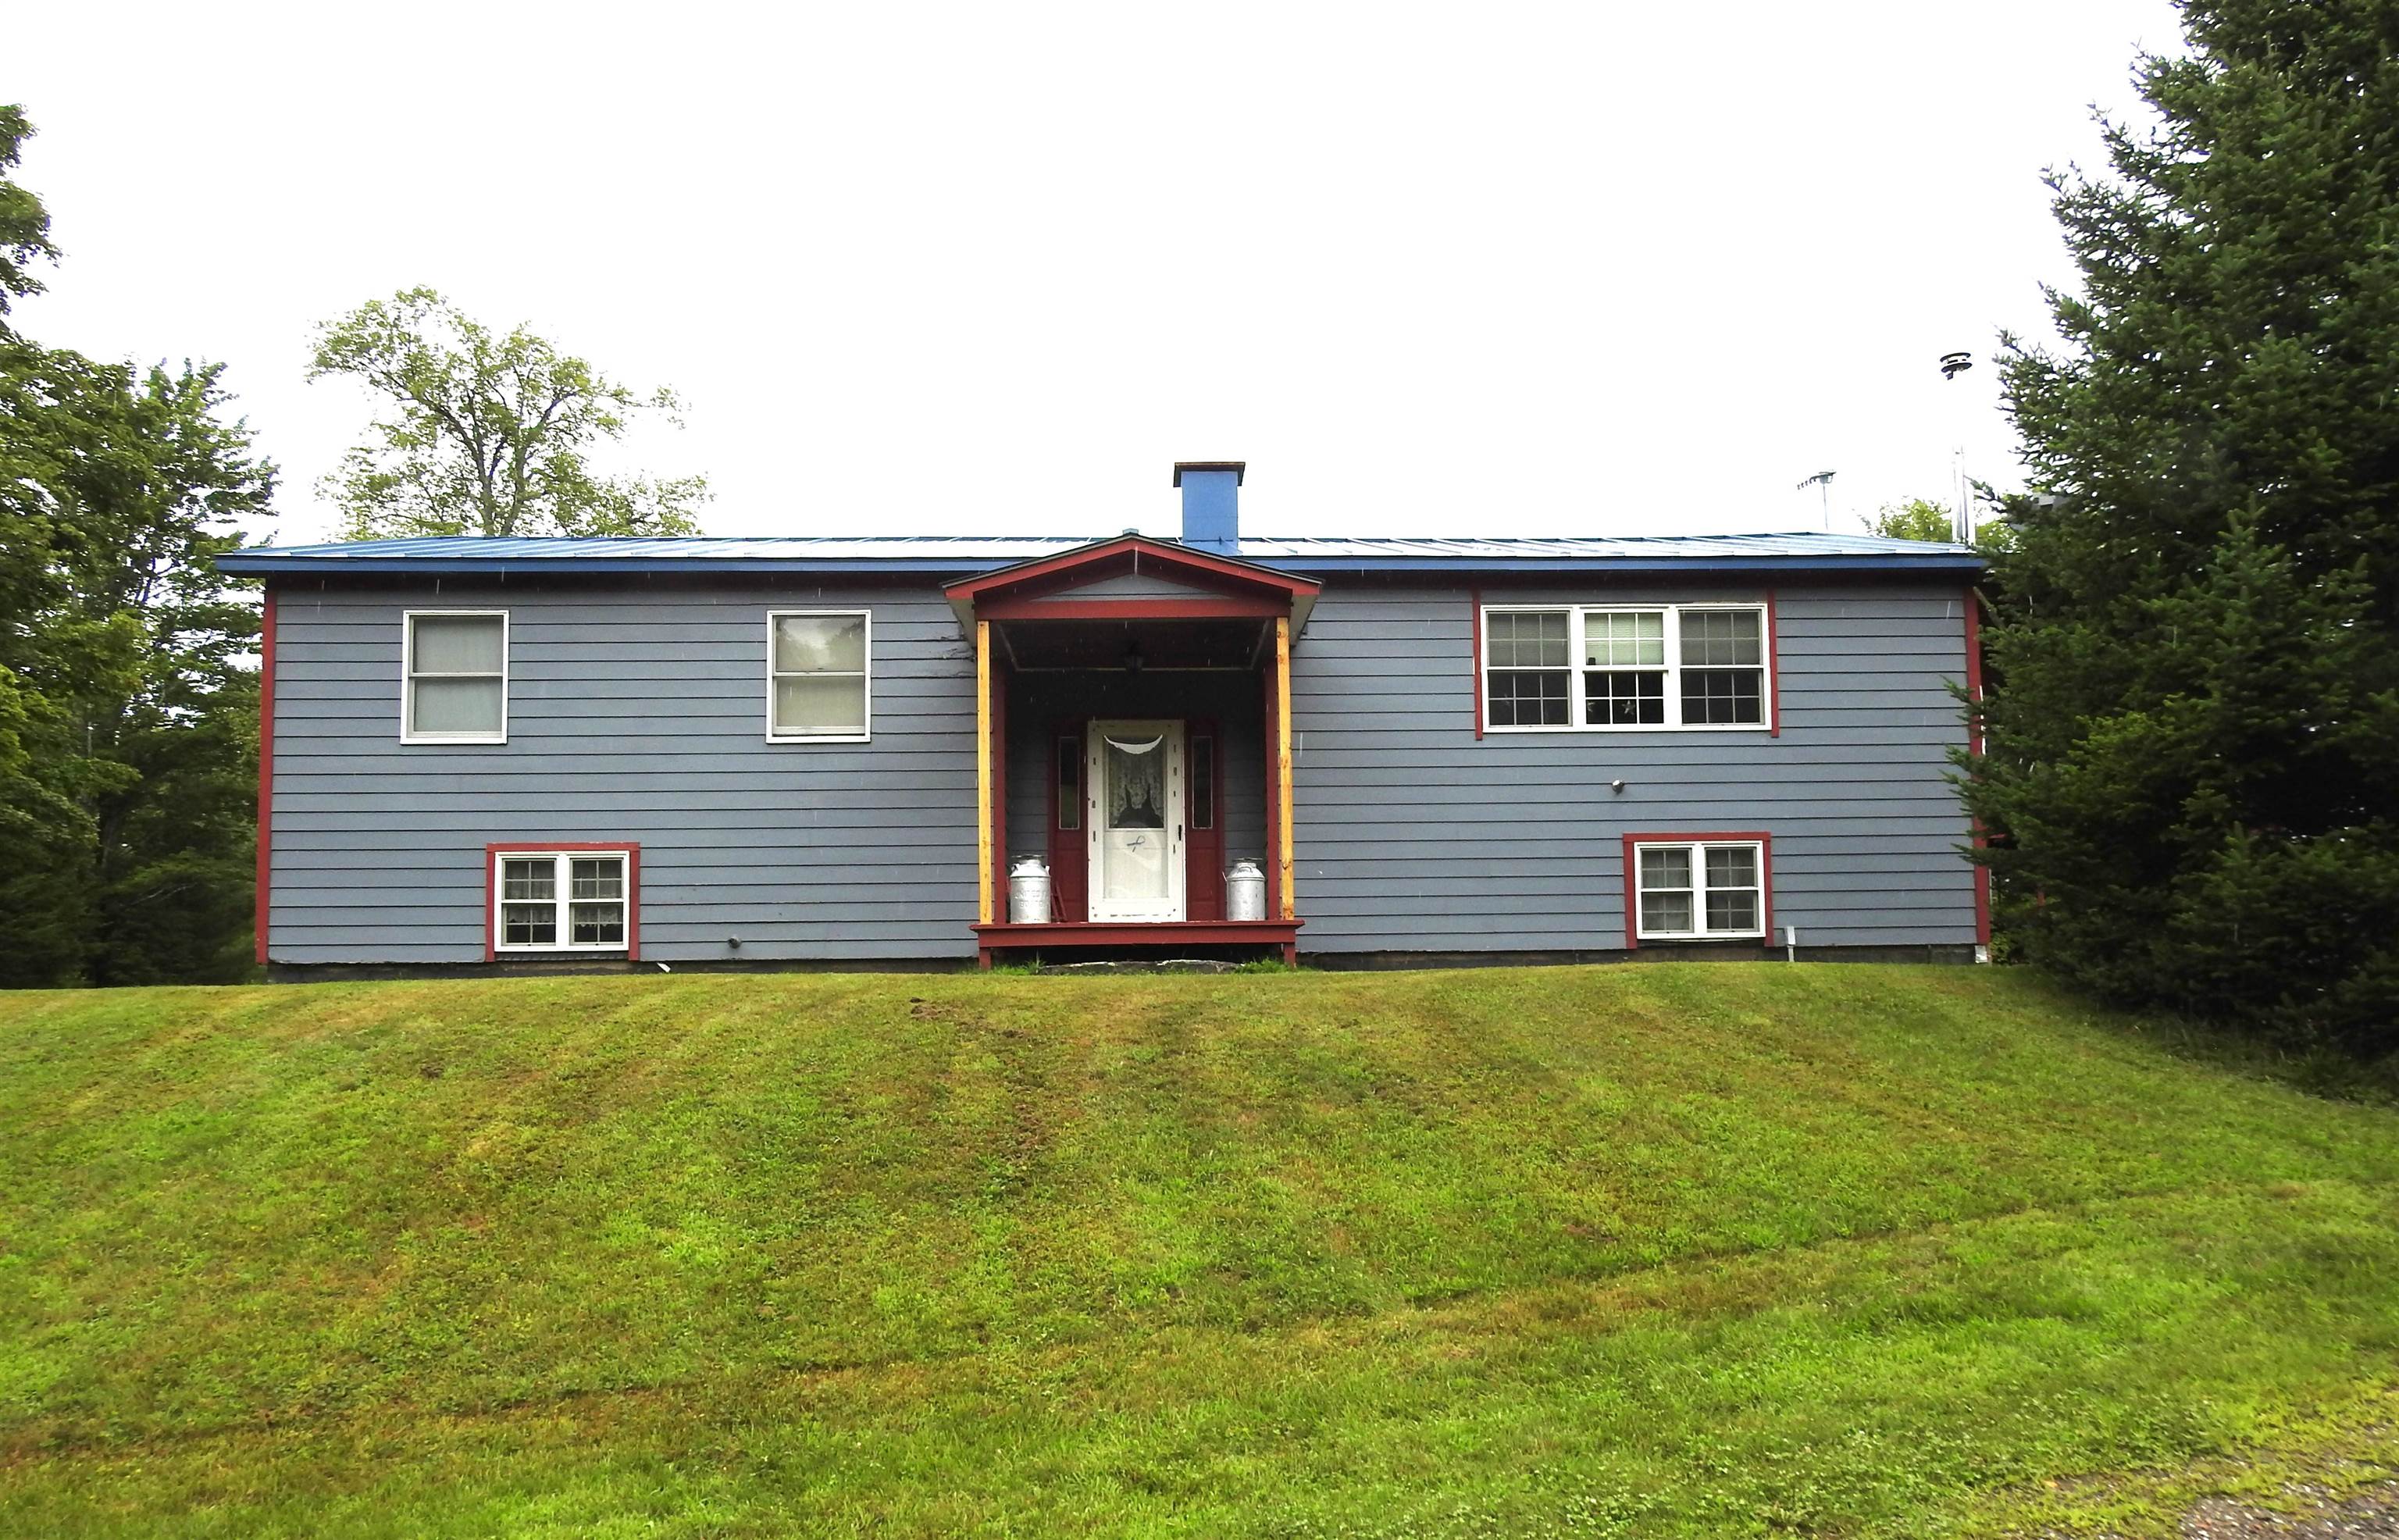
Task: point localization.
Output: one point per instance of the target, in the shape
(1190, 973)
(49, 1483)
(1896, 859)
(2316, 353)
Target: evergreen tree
(2194, 769)
(127, 702)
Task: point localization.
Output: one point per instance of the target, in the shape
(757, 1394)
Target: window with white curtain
(455, 676)
(816, 675)
(564, 901)
(1703, 888)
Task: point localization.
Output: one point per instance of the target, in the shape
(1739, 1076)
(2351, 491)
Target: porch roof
(1208, 587)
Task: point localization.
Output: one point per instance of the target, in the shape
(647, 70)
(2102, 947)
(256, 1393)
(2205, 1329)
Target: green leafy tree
(127, 701)
(486, 434)
(2194, 765)
(1918, 519)
(24, 223)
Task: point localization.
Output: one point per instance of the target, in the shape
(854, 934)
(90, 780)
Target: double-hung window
(1698, 889)
(455, 676)
(560, 901)
(1529, 677)
(816, 675)
(1617, 667)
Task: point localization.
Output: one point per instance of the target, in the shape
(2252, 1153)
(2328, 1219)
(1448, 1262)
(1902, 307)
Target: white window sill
(605, 949)
(1642, 727)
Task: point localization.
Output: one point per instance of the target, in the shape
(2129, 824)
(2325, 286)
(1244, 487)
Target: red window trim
(266, 769)
(492, 854)
(1759, 837)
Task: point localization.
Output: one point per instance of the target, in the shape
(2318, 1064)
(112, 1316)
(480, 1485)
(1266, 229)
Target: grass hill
(1641, 1251)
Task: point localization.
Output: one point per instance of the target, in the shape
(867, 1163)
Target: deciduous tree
(487, 433)
(1916, 518)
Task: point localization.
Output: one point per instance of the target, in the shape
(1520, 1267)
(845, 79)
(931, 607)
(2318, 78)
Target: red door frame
(1203, 849)
(1070, 861)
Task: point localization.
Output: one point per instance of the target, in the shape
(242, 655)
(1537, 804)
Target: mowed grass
(1639, 1250)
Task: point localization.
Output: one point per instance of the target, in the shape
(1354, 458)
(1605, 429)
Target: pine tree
(127, 699)
(2193, 771)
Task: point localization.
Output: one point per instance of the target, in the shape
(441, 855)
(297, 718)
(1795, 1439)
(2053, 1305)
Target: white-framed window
(1626, 668)
(453, 676)
(562, 900)
(819, 677)
(1698, 889)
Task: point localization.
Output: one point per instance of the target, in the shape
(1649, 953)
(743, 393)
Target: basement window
(563, 901)
(1615, 668)
(1697, 890)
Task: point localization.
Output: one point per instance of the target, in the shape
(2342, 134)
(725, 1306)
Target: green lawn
(1639, 1250)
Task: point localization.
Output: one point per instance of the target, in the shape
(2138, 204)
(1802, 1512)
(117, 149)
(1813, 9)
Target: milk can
(1245, 892)
(1028, 891)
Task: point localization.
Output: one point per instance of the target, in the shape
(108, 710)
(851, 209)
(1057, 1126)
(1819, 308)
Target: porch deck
(1063, 935)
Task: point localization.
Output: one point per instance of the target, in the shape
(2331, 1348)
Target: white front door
(1134, 771)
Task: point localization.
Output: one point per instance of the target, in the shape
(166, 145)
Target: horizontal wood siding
(635, 715)
(637, 712)
(1414, 835)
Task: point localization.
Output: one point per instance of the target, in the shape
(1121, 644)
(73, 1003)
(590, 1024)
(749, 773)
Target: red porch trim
(1171, 557)
(1773, 670)
(492, 854)
(1162, 933)
(1975, 743)
(1024, 607)
(1762, 838)
(266, 767)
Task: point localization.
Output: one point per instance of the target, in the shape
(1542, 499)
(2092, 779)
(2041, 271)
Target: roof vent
(1211, 504)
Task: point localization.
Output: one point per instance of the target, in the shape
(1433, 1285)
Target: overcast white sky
(1500, 268)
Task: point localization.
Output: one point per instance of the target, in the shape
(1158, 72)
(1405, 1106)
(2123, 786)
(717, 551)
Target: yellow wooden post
(982, 772)
(1283, 762)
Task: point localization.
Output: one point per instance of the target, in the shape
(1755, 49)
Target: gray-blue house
(833, 750)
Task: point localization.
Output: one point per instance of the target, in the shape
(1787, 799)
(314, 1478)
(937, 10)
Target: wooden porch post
(982, 777)
(1282, 765)
(999, 862)
(1266, 697)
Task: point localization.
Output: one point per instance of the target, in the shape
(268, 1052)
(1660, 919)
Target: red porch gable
(1222, 587)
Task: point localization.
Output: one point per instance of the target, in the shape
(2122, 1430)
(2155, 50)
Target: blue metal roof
(961, 555)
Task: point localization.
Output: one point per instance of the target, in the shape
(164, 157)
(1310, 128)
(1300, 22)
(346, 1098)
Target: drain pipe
(1790, 943)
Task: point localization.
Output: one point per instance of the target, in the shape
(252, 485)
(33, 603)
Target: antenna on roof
(1823, 483)
(1962, 522)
